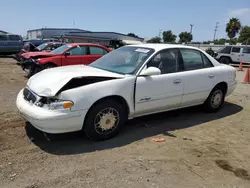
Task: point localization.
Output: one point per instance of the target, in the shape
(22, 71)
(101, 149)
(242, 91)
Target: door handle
(211, 76)
(242, 54)
(178, 81)
(145, 99)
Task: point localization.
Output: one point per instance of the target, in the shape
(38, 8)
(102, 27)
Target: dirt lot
(200, 150)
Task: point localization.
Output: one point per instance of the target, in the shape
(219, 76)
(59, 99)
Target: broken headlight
(54, 104)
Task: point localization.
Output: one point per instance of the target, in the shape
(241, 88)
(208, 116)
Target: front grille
(28, 95)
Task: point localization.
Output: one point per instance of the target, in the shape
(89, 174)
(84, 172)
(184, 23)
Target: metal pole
(215, 30)
(191, 28)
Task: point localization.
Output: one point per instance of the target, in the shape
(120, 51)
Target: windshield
(42, 46)
(124, 60)
(61, 49)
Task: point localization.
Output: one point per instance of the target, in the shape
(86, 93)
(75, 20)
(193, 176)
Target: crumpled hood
(48, 82)
(37, 54)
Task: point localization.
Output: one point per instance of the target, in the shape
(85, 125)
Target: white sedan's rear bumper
(50, 121)
(231, 87)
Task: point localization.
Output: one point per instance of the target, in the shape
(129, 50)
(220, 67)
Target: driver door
(74, 56)
(160, 92)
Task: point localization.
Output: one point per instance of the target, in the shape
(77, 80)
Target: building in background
(44, 33)
(109, 39)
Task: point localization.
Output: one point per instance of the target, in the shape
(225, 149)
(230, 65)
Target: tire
(225, 60)
(215, 100)
(103, 115)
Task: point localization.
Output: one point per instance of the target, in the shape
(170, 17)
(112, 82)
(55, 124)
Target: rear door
(235, 54)
(15, 43)
(3, 44)
(95, 52)
(245, 55)
(75, 55)
(198, 76)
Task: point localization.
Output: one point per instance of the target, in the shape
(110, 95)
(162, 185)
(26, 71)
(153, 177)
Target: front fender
(85, 96)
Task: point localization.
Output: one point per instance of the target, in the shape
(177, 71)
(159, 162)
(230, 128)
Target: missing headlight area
(83, 81)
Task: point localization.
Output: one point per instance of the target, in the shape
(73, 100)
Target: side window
(3, 37)
(192, 59)
(236, 50)
(97, 50)
(14, 37)
(207, 63)
(167, 61)
(79, 50)
(226, 50)
(246, 50)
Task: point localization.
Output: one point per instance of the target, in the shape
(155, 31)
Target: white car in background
(132, 81)
(233, 54)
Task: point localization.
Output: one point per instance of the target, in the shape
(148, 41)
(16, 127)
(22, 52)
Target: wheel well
(222, 85)
(50, 63)
(228, 57)
(117, 98)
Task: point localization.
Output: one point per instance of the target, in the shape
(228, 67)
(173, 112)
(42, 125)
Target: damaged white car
(132, 81)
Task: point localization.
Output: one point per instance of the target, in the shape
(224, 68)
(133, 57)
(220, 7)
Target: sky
(145, 18)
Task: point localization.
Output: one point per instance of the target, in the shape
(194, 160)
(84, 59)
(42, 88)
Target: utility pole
(191, 28)
(160, 33)
(215, 30)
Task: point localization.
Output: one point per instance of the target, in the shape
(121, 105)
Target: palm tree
(233, 27)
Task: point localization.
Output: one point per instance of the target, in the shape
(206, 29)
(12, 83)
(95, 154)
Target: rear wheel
(104, 120)
(225, 60)
(215, 100)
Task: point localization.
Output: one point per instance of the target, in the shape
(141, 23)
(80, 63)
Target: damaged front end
(31, 66)
(52, 100)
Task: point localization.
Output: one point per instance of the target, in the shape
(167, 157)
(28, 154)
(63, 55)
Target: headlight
(54, 104)
(60, 105)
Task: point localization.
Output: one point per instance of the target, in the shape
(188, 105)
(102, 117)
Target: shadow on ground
(134, 130)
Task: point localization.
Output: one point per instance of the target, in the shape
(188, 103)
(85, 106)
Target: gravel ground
(200, 149)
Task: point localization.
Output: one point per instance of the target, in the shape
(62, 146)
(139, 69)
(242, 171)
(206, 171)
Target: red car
(68, 54)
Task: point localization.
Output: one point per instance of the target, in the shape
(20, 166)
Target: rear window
(236, 50)
(14, 37)
(3, 37)
(246, 50)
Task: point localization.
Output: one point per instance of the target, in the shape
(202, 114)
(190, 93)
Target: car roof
(83, 44)
(159, 47)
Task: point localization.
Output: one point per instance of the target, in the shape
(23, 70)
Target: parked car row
(67, 54)
(108, 88)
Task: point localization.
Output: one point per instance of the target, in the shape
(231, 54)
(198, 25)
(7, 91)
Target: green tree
(132, 35)
(245, 35)
(233, 27)
(168, 37)
(154, 40)
(185, 37)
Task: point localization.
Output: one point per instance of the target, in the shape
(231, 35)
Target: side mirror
(150, 71)
(66, 53)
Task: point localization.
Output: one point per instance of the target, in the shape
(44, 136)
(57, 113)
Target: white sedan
(132, 81)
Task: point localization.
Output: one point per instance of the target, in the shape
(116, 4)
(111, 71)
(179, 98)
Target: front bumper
(50, 121)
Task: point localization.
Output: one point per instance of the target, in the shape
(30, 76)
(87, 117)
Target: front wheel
(225, 60)
(104, 120)
(215, 100)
